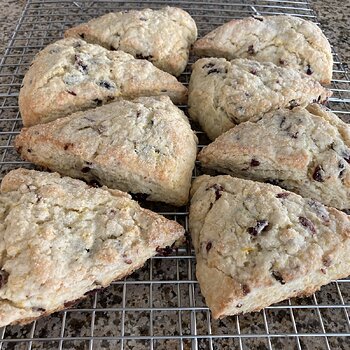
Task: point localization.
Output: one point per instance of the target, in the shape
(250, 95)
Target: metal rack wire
(160, 306)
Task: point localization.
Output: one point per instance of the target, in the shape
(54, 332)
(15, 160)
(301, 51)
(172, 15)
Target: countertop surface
(334, 17)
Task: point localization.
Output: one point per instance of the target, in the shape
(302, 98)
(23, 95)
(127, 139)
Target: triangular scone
(225, 93)
(60, 238)
(142, 146)
(305, 152)
(284, 40)
(161, 36)
(257, 244)
(71, 75)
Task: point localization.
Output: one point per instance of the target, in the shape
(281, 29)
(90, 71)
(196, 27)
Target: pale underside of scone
(71, 75)
(257, 244)
(284, 40)
(225, 93)
(305, 151)
(163, 36)
(141, 146)
(60, 238)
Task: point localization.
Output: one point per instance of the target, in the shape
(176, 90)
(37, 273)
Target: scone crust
(141, 146)
(283, 40)
(71, 75)
(163, 36)
(225, 93)
(305, 151)
(254, 242)
(60, 238)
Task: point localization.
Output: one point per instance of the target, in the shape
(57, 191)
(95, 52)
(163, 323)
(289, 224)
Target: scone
(257, 244)
(142, 146)
(284, 40)
(61, 239)
(71, 75)
(161, 36)
(225, 93)
(305, 151)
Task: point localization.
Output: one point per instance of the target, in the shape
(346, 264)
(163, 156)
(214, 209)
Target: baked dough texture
(71, 75)
(142, 146)
(225, 93)
(257, 244)
(60, 239)
(305, 151)
(163, 36)
(284, 40)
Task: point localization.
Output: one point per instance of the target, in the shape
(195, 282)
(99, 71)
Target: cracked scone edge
(283, 37)
(225, 93)
(70, 239)
(304, 150)
(232, 218)
(144, 145)
(71, 75)
(162, 36)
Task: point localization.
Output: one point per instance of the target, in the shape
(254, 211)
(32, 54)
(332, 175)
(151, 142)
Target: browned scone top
(61, 238)
(144, 145)
(71, 75)
(303, 150)
(161, 36)
(225, 93)
(284, 40)
(257, 244)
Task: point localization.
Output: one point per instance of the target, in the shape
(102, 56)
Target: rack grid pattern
(160, 305)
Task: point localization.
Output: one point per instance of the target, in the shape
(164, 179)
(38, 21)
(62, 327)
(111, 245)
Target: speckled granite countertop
(334, 17)
(10, 11)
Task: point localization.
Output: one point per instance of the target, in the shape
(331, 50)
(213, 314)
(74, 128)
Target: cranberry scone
(71, 75)
(305, 151)
(61, 238)
(225, 93)
(142, 146)
(257, 244)
(163, 36)
(284, 40)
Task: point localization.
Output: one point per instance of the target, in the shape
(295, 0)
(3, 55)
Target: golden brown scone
(161, 36)
(60, 239)
(283, 40)
(257, 244)
(225, 93)
(307, 152)
(141, 146)
(71, 75)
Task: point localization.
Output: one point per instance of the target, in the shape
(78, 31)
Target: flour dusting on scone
(305, 151)
(144, 145)
(61, 238)
(257, 244)
(163, 36)
(284, 40)
(225, 93)
(71, 75)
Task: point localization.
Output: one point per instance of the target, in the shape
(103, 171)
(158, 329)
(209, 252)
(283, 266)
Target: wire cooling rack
(160, 305)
